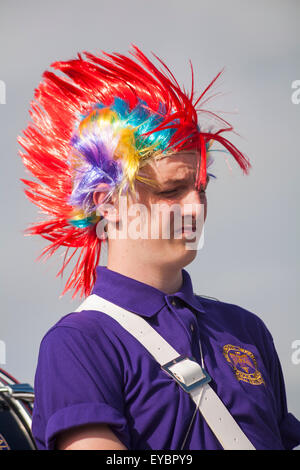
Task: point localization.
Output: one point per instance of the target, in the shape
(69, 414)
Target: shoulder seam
(207, 297)
(70, 327)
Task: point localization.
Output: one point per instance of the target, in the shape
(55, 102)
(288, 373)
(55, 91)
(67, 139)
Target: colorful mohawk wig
(102, 122)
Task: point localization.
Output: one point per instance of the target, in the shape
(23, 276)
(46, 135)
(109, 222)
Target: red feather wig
(72, 117)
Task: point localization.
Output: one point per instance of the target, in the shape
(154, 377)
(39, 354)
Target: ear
(107, 209)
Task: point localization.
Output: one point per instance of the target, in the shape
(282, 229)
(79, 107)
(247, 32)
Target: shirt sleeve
(78, 381)
(289, 425)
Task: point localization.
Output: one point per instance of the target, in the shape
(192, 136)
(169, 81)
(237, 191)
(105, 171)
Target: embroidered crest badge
(3, 443)
(243, 363)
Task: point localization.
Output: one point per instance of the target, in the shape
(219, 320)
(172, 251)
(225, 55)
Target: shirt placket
(189, 323)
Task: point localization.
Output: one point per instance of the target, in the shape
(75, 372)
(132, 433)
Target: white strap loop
(187, 371)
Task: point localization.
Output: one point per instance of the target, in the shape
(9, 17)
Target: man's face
(160, 227)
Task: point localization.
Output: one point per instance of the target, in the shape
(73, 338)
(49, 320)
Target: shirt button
(173, 302)
(192, 327)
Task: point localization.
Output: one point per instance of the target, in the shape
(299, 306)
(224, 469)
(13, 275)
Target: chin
(190, 255)
(181, 257)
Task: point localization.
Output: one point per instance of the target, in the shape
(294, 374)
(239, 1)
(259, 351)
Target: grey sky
(251, 253)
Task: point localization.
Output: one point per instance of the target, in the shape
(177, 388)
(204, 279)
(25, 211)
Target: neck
(163, 277)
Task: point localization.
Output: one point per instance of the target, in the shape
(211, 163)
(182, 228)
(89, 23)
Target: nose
(194, 205)
(193, 196)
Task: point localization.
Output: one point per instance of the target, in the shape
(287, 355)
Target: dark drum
(16, 406)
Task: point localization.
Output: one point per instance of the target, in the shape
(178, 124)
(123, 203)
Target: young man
(115, 142)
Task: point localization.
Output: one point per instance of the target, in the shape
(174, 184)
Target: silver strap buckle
(186, 372)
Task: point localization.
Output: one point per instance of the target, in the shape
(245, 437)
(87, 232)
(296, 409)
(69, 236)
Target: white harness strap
(186, 372)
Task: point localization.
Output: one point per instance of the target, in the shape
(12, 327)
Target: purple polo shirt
(91, 370)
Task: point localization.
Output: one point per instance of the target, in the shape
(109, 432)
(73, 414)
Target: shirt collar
(139, 297)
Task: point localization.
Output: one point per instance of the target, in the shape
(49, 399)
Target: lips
(187, 229)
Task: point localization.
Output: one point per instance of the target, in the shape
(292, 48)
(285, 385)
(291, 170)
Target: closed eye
(168, 192)
(173, 192)
(181, 188)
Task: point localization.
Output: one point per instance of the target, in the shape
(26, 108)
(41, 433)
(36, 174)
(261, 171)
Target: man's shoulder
(82, 336)
(229, 313)
(86, 324)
